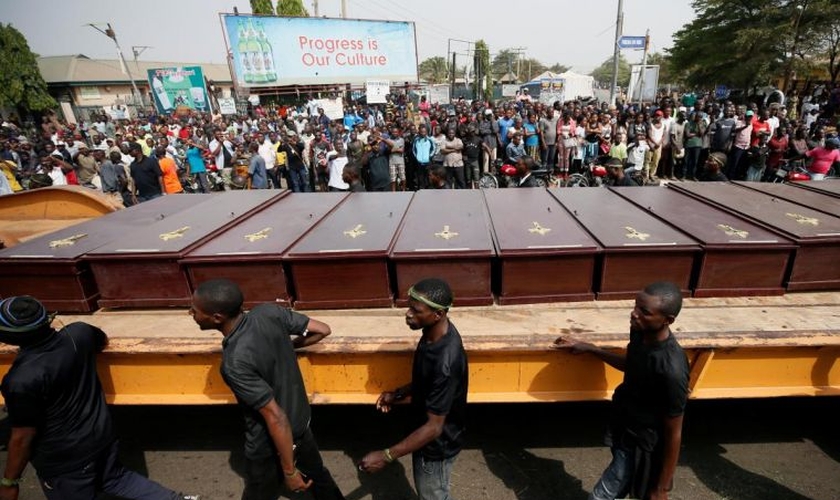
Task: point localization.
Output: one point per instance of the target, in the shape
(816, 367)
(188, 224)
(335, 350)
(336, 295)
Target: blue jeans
(615, 481)
(431, 477)
(299, 181)
(104, 474)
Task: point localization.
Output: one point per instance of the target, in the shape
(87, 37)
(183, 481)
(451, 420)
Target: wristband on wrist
(10, 482)
(388, 457)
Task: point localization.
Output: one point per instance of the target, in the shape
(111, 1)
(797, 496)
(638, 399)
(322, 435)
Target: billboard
(273, 51)
(177, 90)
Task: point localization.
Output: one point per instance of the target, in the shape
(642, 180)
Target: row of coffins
(513, 246)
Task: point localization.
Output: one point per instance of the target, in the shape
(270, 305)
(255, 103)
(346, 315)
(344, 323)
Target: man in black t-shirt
(57, 411)
(147, 175)
(437, 394)
(259, 365)
(648, 406)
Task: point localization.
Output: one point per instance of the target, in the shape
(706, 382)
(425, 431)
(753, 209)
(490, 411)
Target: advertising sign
(377, 90)
(227, 105)
(439, 94)
(280, 51)
(643, 87)
(178, 89)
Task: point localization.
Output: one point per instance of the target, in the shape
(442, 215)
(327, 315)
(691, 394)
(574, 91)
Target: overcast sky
(571, 32)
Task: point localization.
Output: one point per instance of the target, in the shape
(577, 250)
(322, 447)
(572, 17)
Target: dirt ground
(771, 449)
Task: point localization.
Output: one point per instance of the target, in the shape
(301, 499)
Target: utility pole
(315, 7)
(642, 72)
(619, 28)
(789, 66)
(113, 36)
(344, 9)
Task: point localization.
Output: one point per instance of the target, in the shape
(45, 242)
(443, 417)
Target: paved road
(751, 450)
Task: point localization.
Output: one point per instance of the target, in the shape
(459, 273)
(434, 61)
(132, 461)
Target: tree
(735, 43)
(21, 83)
(484, 71)
(666, 75)
(291, 8)
(558, 68)
(262, 7)
(434, 70)
(504, 62)
(818, 38)
(532, 68)
(603, 74)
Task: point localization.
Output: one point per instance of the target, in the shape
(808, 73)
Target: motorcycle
(504, 175)
(791, 171)
(592, 174)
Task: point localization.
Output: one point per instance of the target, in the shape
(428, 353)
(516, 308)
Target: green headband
(422, 298)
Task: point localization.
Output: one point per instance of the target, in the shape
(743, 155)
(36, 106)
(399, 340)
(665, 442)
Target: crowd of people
(407, 145)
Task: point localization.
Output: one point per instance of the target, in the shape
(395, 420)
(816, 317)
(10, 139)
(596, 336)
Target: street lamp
(109, 32)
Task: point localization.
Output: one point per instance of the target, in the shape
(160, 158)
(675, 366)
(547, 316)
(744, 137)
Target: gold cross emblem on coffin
(803, 219)
(356, 231)
(67, 242)
(259, 235)
(538, 229)
(634, 234)
(178, 233)
(446, 234)
(731, 231)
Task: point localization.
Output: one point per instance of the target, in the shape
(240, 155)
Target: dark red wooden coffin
(544, 254)
(50, 267)
(343, 261)
(141, 269)
(250, 253)
(816, 200)
(739, 257)
(816, 265)
(830, 187)
(638, 248)
(446, 235)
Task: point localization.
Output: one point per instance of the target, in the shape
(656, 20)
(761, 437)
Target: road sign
(632, 42)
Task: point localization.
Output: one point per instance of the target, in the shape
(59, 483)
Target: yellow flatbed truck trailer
(737, 347)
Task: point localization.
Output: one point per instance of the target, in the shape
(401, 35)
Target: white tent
(575, 85)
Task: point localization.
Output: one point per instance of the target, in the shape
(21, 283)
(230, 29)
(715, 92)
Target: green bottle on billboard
(244, 56)
(268, 54)
(255, 52)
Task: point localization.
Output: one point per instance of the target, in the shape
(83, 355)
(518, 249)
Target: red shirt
(822, 159)
(758, 127)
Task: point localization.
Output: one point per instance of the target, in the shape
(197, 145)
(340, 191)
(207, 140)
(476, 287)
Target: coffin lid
(531, 221)
(72, 242)
(445, 222)
(819, 201)
(364, 225)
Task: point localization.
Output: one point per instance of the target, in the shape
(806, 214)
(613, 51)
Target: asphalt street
(770, 449)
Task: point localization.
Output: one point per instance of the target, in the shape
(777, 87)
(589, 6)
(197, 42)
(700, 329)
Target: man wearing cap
(260, 367)
(86, 165)
(714, 165)
(57, 412)
(437, 394)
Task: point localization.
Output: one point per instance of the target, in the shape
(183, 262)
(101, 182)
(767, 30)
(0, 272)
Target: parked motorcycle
(504, 175)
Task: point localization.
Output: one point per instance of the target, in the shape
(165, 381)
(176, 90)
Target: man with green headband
(437, 394)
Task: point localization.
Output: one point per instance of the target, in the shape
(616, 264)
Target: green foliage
(819, 40)
(482, 57)
(504, 62)
(603, 74)
(21, 83)
(558, 68)
(291, 8)
(666, 74)
(262, 7)
(434, 70)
